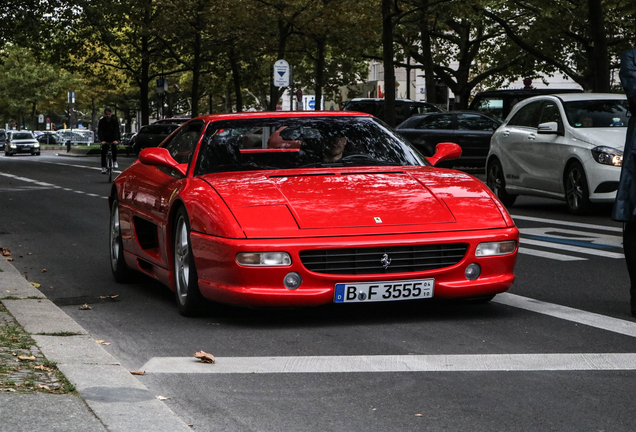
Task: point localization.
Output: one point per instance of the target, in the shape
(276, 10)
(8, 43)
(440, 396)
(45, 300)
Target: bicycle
(109, 160)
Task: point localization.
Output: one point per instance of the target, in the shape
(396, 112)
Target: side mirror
(160, 157)
(549, 128)
(445, 151)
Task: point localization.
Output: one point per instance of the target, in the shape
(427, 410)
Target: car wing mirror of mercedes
(549, 128)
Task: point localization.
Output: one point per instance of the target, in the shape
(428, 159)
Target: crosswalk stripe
(570, 248)
(550, 255)
(568, 223)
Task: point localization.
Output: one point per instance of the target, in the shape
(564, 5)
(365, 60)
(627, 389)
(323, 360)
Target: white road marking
(575, 235)
(615, 325)
(550, 255)
(570, 248)
(429, 363)
(392, 363)
(568, 223)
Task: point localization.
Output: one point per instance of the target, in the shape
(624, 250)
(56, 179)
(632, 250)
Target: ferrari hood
(355, 200)
(611, 136)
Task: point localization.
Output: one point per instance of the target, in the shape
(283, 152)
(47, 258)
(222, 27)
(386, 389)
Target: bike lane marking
(47, 185)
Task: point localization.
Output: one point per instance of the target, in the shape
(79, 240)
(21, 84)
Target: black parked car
(49, 138)
(152, 135)
(471, 130)
(404, 108)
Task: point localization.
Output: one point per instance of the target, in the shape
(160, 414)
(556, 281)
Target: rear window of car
(597, 113)
(290, 143)
(475, 122)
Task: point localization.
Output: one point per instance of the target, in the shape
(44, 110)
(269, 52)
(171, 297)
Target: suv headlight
(607, 156)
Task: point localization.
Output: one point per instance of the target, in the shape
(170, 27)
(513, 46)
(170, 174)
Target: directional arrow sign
(281, 74)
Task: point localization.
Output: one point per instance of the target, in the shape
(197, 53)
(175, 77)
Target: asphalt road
(555, 353)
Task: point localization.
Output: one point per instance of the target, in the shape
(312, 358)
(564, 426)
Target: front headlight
(263, 259)
(495, 248)
(12, 146)
(36, 144)
(607, 156)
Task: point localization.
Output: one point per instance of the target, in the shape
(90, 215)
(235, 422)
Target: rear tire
(118, 265)
(496, 181)
(577, 193)
(186, 279)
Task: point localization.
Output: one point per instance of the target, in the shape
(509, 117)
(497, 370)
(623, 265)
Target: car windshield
(597, 113)
(289, 143)
(22, 135)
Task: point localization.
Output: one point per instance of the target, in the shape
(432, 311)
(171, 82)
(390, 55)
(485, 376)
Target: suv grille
(402, 259)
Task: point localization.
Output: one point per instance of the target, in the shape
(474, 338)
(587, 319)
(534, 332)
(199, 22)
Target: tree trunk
(320, 71)
(427, 55)
(144, 80)
(196, 75)
(387, 56)
(599, 57)
(236, 78)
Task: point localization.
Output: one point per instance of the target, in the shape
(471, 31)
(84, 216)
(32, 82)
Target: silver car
(565, 146)
(21, 142)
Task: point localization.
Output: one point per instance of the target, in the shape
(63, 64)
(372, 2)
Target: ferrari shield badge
(377, 220)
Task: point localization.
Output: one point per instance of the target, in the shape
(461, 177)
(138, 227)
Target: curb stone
(110, 393)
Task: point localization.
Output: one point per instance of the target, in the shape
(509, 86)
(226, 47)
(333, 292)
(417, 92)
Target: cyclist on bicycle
(109, 135)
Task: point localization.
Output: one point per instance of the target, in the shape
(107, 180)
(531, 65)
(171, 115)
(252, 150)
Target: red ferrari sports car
(350, 213)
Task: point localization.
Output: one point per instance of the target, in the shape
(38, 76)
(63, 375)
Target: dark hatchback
(152, 135)
(471, 130)
(404, 108)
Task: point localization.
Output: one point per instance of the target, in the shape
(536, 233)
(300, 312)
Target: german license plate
(383, 291)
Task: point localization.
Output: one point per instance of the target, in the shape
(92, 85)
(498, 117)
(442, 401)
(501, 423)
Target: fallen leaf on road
(43, 270)
(42, 367)
(9, 259)
(162, 398)
(205, 357)
(42, 386)
(85, 307)
(50, 287)
(101, 342)
(8, 290)
(418, 415)
(25, 357)
(37, 285)
(5, 252)
(108, 296)
(137, 372)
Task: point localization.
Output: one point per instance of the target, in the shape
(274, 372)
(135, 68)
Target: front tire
(189, 298)
(496, 181)
(118, 265)
(577, 193)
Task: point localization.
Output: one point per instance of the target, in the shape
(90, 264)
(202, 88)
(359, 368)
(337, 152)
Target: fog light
(292, 280)
(472, 271)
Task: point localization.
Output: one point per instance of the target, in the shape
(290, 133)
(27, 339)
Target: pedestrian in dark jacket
(109, 135)
(625, 205)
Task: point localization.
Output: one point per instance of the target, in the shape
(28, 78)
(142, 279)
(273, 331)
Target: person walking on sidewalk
(625, 205)
(109, 135)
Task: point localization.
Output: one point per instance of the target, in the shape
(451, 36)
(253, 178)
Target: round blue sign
(312, 104)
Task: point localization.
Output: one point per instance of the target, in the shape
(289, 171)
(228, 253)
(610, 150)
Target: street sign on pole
(281, 74)
(41, 118)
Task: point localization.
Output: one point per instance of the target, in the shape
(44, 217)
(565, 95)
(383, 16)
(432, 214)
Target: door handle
(506, 133)
(532, 137)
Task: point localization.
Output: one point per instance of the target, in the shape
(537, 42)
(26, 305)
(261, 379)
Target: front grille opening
(403, 259)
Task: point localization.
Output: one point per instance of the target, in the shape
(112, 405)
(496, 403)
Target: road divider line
(571, 248)
(49, 185)
(550, 255)
(395, 363)
(615, 325)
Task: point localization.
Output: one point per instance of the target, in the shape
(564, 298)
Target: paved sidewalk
(110, 398)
